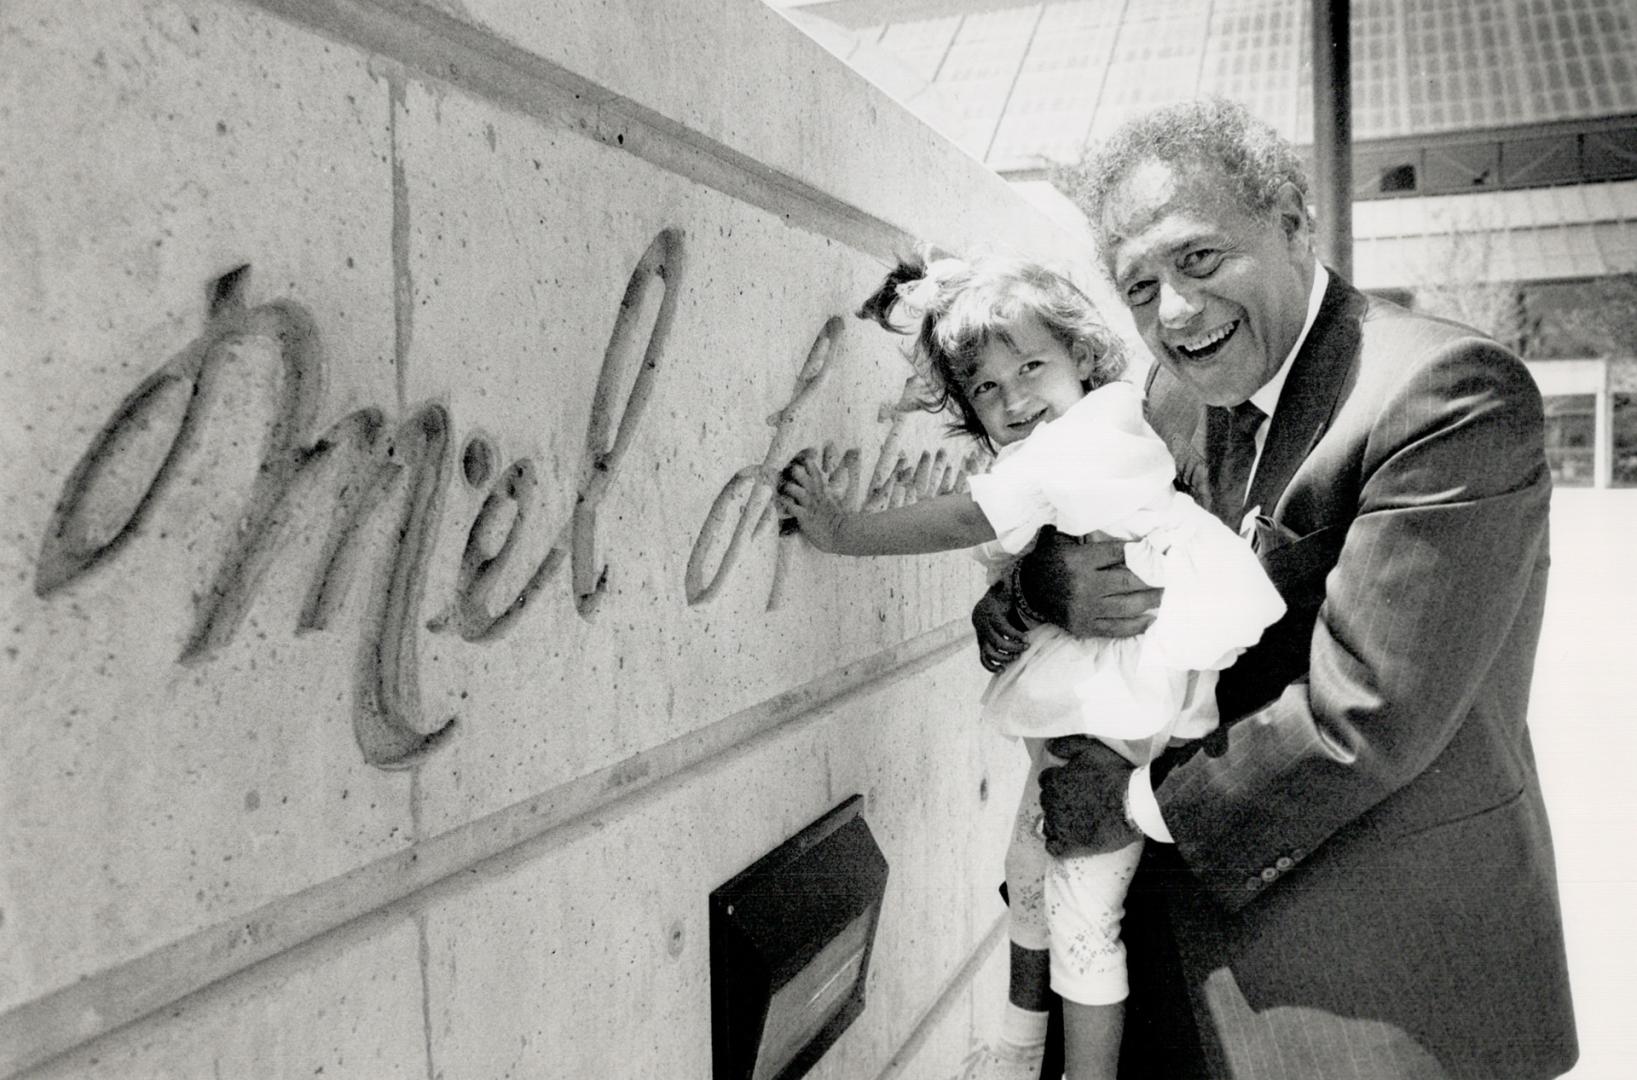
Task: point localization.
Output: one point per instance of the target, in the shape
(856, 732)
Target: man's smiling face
(1219, 295)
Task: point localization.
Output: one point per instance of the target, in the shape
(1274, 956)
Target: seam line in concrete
(440, 47)
(403, 281)
(98, 1004)
(423, 950)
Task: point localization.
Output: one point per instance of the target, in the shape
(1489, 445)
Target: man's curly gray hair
(1209, 132)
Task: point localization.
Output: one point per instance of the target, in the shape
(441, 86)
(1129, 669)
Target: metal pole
(1333, 133)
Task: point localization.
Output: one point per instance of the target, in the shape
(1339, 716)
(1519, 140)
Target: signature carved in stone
(372, 477)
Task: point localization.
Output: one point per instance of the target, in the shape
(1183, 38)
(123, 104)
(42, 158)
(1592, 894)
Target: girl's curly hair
(956, 308)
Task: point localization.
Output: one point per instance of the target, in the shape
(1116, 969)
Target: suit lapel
(1318, 379)
(1174, 413)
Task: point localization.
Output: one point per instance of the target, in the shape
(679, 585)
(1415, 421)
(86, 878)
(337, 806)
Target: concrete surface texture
(398, 647)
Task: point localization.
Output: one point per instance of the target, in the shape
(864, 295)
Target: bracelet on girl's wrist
(1020, 606)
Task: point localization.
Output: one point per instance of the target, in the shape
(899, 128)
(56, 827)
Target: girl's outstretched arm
(942, 523)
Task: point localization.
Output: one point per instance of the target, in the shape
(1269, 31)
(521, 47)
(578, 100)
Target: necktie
(1230, 466)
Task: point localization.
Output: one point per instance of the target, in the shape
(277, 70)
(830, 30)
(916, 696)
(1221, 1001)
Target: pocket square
(1265, 535)
(1297, 564)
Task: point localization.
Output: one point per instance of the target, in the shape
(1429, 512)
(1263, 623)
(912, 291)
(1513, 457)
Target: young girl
(1020, 356)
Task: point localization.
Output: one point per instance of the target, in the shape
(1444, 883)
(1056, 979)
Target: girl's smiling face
(1024, 379)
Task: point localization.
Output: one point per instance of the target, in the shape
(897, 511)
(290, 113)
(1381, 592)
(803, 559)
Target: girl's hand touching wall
(804, 496)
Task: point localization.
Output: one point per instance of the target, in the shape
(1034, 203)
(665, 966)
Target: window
(1549, 160)
(1611, 154)
(1398, 178)
(1461, 168)
(1571, 421)
(1625, 440)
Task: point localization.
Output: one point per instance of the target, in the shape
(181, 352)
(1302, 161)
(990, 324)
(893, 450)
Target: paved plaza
(1582, 720)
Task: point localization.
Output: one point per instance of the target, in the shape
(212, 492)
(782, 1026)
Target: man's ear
(1292, 212)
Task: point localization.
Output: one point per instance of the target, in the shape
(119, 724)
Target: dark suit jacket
(1363, 882)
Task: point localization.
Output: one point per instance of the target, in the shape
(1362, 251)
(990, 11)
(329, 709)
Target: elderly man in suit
(1353, 877)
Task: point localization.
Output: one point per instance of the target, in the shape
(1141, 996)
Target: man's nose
(1177, 308)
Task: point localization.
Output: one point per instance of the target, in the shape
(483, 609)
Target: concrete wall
(396, 649)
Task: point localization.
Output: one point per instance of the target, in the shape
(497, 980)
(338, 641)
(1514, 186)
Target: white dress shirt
(1140, 804)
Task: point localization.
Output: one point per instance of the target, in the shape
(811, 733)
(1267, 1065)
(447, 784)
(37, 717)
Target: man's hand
(1084, 798)
(1085, 586)
(1000, 639)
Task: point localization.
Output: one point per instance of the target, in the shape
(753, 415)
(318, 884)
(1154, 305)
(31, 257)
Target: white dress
(1100, 467)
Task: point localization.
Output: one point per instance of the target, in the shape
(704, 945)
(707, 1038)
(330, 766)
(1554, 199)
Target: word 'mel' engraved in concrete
(488, 552)
(362, 467)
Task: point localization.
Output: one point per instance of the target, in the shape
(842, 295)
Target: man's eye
(1140, 293)
(1201, 262)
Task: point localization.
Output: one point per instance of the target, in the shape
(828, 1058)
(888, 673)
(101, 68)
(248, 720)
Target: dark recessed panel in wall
(791, 937)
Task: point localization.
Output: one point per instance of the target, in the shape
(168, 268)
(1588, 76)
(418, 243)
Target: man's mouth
(1206, 345)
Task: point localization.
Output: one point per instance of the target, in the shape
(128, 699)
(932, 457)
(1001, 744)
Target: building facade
(1494, 148)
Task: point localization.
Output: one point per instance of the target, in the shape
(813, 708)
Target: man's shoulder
(1408, 358)
(1389, 326)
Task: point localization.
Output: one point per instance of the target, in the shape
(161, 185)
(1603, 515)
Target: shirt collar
(1267, 398)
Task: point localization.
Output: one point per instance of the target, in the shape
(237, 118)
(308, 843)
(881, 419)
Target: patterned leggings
(1071, 906)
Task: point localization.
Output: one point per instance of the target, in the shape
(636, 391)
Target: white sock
(1023, 1032)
